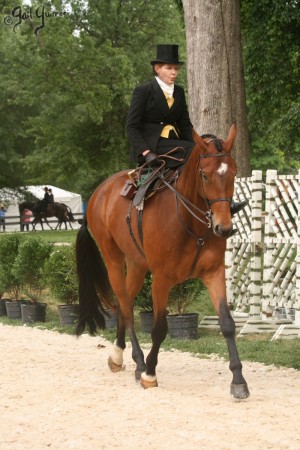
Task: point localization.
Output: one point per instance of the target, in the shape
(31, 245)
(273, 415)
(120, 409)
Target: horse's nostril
(221, 231)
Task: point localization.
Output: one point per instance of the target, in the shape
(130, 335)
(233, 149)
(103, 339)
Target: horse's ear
(228, 144)
(198, 139)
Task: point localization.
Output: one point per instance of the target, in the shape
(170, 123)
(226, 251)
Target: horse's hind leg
(160, 293)
(125, 288)
(216, 287)
(134, 283)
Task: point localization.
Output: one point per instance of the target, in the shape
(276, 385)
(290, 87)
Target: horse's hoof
(148, 381)
(115, 367)
(138, 373)
(239, 391)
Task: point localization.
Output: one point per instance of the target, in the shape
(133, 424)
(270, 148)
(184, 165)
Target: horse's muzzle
(223, 231)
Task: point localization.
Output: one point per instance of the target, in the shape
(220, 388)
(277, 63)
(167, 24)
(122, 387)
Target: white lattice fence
(263, 259)
(243, 264)
(281, 262)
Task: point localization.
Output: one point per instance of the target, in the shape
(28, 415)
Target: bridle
(210, 202)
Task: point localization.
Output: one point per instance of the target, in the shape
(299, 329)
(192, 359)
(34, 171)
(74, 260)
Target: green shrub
(61, 274)
(29, 264)
(9, 248)
(183, 295)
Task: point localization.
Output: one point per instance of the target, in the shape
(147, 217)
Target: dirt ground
(57, 392)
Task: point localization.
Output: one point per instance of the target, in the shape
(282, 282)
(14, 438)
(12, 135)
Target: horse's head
(215, 183)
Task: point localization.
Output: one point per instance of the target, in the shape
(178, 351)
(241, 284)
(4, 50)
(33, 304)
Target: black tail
(94, 287)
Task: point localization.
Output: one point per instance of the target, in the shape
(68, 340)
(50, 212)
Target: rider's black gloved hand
(151, 160)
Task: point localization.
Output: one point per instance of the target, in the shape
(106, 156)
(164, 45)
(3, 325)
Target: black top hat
(166, 54)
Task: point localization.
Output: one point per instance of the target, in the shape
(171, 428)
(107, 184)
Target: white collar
(168, 88)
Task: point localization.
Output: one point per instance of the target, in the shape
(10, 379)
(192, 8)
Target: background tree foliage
(271, 42)
(64, 94)
(67, 93)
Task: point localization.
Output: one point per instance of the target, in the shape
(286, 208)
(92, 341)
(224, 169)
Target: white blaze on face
(223, 168)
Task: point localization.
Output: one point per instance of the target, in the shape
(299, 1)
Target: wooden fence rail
(11, 221)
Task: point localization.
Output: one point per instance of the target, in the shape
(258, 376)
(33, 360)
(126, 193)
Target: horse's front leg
(45, 219)
(217, 290)
(160, 293)
(239, 388)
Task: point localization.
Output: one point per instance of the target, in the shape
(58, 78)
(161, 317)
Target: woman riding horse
(59, 210)
(158, 119)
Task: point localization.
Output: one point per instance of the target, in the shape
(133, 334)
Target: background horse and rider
(182, 235)
(59, 210)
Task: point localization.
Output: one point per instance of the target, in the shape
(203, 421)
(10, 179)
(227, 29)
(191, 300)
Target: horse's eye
(204, 176)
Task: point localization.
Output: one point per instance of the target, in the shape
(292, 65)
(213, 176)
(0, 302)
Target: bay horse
(59, 210)
(184, 228)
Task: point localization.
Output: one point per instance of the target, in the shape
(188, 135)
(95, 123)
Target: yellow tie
(170, 99)
(166, 130)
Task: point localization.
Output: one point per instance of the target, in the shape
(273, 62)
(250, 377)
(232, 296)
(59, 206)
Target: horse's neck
(188, 179)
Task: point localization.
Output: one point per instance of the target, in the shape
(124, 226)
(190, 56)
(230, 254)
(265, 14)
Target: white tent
(12, 200)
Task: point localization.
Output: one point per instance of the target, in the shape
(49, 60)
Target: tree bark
(215, 72)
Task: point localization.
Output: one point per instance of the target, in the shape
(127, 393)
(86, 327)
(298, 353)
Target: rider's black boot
(235, 207)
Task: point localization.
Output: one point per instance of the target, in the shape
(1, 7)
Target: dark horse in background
(185, 228)
(59, 210)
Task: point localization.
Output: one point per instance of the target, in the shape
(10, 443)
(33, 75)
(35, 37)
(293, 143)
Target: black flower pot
(146, 318)
(183, 326)
(13, 309)
(33, 312)
(68, 314)
(3, 307)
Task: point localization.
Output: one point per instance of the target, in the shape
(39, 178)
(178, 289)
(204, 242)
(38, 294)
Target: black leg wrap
(235, 207)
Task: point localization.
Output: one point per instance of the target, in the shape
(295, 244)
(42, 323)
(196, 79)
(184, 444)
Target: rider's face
(167, 72)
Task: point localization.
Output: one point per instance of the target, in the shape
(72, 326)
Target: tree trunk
(215, 72)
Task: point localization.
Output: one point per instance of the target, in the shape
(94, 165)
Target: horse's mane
(217, 141)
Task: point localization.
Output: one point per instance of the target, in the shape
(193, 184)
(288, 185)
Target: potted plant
(10, 285)
(61, 278)
(182, 324)
(29, 269)
(144, 303)
(111, 318)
